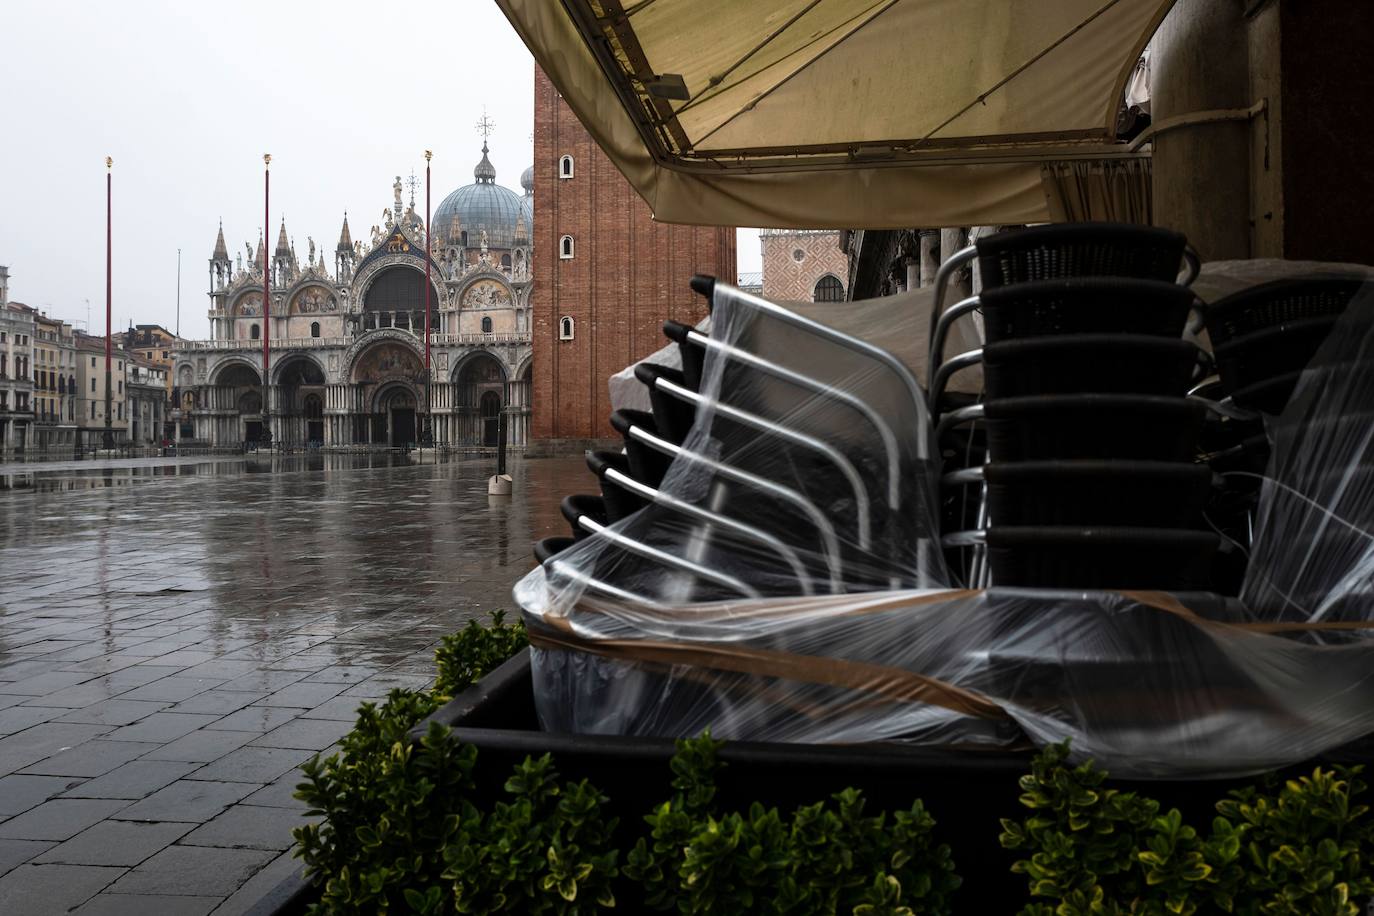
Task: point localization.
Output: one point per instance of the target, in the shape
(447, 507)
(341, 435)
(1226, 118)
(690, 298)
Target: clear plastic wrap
(784, 585)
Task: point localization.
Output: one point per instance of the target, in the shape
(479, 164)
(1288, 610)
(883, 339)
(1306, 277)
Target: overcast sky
(187, 97)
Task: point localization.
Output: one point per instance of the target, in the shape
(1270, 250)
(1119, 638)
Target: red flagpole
(429, 421)
(266, 436)
(109, 297)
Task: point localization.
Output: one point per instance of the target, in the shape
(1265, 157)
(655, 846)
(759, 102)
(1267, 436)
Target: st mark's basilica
(346, 354)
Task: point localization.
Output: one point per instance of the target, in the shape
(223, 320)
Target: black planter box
(966, 791)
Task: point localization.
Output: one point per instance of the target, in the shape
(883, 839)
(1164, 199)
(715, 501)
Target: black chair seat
(1121, 426)
(1279, 302)
(693, 354)
(1270, 352)
(1096, 249)
(620, 502)
(673, 417)
(578, 505)
(647, 465)
(549, 547)
(1146, 494)
(1095, 305)
(1084, 363)
(1091, 557)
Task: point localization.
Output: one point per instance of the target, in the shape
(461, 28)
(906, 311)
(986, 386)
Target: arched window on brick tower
(828, 289)
(565, 328)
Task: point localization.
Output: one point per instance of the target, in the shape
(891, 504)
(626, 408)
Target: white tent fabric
(875, 113)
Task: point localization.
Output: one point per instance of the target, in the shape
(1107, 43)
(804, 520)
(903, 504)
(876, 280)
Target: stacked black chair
(1087, 463)
(828, 548)
(1264, 336)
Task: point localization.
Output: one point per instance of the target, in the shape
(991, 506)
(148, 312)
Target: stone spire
(345, 239)
(261, 259)
(485, 172)
(283, 246)
(221, 250)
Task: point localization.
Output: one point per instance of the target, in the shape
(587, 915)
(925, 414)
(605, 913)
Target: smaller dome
(527, 180)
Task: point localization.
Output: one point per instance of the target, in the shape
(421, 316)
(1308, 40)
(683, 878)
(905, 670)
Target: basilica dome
(484, 204)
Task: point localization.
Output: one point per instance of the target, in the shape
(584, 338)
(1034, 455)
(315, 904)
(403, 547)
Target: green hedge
(404, 830)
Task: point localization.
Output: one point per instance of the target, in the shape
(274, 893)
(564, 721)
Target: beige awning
(842, 113)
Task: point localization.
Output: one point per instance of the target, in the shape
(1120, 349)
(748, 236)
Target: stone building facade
(608, 275)
(803, 265)
(54, 383)
(146, 385)
(346, 357)
(16, 374)
(90, 387)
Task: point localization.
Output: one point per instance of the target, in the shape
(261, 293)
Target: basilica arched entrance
(394, 417)
(300, 392)
(479, 397)
(389, 376)
(235, 403)
(490, 412)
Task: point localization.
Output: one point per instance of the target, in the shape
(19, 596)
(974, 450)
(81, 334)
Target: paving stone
(147, 905)
(343, 674)
(357, 597)
(202, 746)
(261, 679)
(255, 888)
(219, 702)
(252, 764)
(303, 696)
(256, 719)
(185, 800)
(92, 758)
(46, 683)
(33, 744)
(249, 827)
(20, 793)
(193, 870)
(306, 734)
(343, 709)
(119, 711)
(59, 818)
(116, 843)
(224, 668)
(280, 793)
(38, 890)
(14, 853)
(17, 718)
(163, 727)
(172, 689)
(134, 780)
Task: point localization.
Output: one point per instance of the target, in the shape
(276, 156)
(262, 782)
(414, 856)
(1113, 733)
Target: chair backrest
(1080, 250)
(1279, 302)
(1091, 305)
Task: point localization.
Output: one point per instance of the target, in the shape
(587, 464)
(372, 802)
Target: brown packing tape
(1169, 603)
(893, 683)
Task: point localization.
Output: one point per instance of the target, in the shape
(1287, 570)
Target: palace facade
(346, 348)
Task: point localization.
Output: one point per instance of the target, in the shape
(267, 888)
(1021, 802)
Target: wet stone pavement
(176, 638)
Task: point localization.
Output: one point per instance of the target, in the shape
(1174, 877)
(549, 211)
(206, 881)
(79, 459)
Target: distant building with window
(146, 390)
(90, 386)
(54, 383)
(347, 343)
(16, 371)
(803, 265)
(609, 275)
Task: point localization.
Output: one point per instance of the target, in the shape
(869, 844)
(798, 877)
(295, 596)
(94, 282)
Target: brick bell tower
(606, 275)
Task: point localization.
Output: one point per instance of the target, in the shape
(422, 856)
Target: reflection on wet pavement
(194, 629)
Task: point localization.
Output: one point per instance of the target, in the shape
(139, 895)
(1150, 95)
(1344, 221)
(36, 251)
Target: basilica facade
(346, 347)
